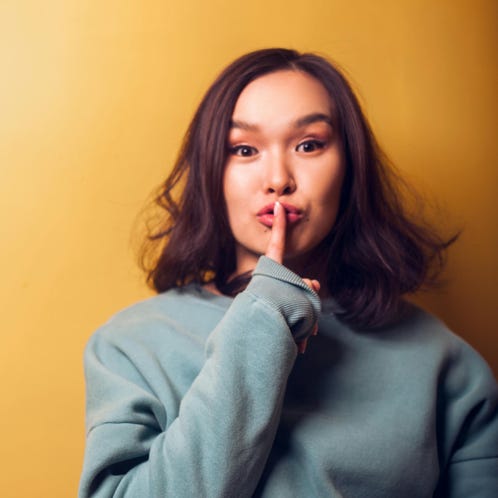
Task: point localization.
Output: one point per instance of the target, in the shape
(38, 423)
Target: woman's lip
(292, 214)
(269, 208)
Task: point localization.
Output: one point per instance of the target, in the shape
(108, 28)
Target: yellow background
(94, 99)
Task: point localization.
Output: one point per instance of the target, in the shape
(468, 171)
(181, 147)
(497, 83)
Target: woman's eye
(310, 146)
(243, 150)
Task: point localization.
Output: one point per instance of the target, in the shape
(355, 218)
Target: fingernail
(302, 346)
(276, 207)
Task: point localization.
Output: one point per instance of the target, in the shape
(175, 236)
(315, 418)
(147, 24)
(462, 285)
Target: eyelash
(317, 145)
(238, 150)
(248, 150)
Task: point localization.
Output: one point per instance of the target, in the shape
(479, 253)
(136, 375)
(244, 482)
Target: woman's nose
(279, 178)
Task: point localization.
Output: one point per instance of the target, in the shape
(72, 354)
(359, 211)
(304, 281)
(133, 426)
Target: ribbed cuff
(286, 292)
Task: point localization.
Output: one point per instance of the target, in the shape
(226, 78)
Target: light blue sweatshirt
(190, 394)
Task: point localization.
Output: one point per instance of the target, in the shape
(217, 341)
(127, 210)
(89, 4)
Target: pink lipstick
(292, 214)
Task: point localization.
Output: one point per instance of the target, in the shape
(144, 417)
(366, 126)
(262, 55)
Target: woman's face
(283, 146)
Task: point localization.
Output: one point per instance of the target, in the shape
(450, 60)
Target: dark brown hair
(375, 253)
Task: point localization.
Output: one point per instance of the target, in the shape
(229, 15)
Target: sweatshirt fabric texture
(192, 394)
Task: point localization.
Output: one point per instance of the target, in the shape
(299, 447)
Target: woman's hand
(276, 250)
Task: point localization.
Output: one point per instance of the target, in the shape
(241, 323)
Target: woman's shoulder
(427, 336)
(187, 310)
(417, 322)
(414, 342)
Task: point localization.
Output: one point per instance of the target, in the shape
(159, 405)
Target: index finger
(276, 246)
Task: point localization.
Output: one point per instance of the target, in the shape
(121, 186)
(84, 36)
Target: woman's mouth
(292, 214)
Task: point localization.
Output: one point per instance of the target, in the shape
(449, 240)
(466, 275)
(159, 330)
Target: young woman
(289, 226)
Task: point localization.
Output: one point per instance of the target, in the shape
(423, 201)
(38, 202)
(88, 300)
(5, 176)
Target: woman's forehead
(290, 94)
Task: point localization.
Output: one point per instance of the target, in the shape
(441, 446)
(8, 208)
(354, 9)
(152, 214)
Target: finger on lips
(276, 250)
(276, 246)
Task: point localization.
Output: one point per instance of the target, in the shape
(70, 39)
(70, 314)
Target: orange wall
(94, 99)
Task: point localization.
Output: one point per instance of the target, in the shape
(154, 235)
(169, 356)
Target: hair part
(376, 251)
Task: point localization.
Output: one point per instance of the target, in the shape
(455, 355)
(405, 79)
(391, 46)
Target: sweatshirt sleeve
(218, 442)
(468, 427)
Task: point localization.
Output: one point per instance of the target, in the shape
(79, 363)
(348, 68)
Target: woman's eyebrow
(243, 125)
(299, 123)
(313, 118)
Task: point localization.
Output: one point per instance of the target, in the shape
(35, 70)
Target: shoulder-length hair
(375, 252)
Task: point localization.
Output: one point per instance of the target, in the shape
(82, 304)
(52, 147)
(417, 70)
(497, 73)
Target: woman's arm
(468, 427)
(219, 442)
